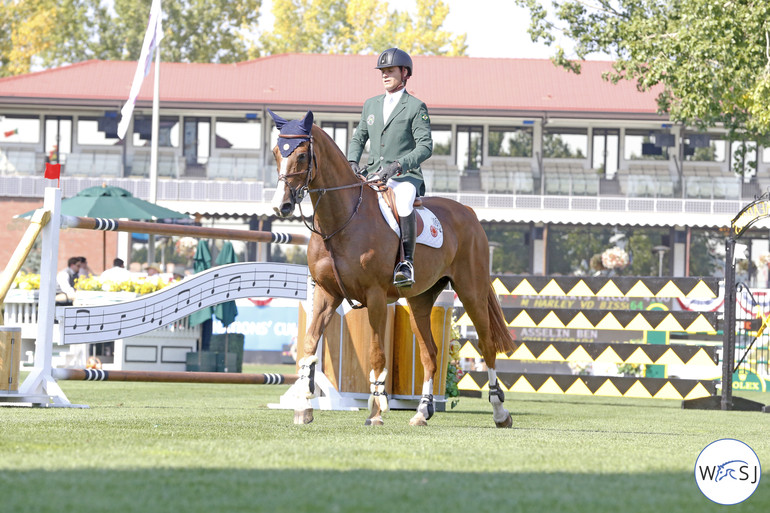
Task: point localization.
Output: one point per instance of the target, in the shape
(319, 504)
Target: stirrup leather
(404, 274)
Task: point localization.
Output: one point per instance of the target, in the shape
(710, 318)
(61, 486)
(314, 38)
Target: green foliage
(556, 147)
(288, 254)
(704, 260)
(570, 248)
(52, 33)
(362, 26)
(512, 256)
(707, 61)
(519, 145)
(55, 32)
(643, 261)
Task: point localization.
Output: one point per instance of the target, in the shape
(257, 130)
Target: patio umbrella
(201, 262)
(226, 312)
(112, 203)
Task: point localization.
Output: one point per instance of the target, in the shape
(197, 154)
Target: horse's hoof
(418, 420)
(303, 416)
(506, 423)
(374, 421)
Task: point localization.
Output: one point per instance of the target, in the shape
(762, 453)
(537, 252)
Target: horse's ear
(279, 121)
(307, 121)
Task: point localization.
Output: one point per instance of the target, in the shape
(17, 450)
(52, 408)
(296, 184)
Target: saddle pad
(430, 233)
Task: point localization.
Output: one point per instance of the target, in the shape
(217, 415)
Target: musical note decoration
(211, 287)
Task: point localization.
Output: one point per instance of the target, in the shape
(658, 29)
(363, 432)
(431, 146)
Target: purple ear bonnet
(294, 127)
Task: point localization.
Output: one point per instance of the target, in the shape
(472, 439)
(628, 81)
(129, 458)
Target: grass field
(190, 448)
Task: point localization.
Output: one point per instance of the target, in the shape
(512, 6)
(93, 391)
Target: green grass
(171, 448)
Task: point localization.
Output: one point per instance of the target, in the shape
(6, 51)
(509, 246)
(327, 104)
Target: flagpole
(154, 150)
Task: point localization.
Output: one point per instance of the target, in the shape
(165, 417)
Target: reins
(299, 196)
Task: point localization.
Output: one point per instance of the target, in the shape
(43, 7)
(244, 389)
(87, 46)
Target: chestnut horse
(351, 256)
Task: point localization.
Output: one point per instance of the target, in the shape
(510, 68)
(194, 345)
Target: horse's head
(294, 156)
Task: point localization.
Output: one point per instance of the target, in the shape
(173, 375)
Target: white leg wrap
(377, 389)
(427, 387)
(302, 388)
(499, 414)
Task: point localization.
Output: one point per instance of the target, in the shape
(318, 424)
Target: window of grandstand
(99, 131)
(168, 131)
(442, 139)
(642, 145)
(704, 148)
(337, 130)
(19, 129)
(606, 150)
(469, 147)
(238, 134)
(743, 157)
(58, 137)
(565, 143)
(510, 142)
(197, 140)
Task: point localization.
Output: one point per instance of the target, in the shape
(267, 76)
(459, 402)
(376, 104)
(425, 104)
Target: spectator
(153, 270)
(65, 282)
(117, 273)
(85, 271)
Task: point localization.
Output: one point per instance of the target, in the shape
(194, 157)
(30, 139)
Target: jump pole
(202, 232)
(174, 377)
(40, 387)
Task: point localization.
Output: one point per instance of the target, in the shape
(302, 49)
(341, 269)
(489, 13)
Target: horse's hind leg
(324, 305)
(421, 307)
(474, 293)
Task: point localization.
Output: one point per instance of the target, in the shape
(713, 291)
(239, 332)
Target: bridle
(298, 193)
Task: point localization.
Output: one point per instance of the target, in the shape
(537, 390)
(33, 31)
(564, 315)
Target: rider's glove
(389, 171)
(356, 168)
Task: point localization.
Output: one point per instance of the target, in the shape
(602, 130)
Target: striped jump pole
(174, 377)
(114, 225)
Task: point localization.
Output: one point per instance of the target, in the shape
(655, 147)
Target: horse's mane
(331, 150)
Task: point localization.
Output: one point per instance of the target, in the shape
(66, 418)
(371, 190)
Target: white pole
(40, 381)
(154, 149)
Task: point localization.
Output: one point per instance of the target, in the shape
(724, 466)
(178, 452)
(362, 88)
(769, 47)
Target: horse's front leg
(421, 307)
(324, 305)
(377, 309)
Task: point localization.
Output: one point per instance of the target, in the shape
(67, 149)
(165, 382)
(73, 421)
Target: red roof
(342, 82)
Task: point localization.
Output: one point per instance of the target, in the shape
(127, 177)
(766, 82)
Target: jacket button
(382, 158)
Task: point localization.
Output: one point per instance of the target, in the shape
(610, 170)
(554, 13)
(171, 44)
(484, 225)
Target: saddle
(390, 198)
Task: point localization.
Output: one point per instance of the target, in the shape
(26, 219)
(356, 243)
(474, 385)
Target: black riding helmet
(395, 57)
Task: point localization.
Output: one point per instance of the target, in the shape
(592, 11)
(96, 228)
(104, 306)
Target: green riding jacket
(404, 138)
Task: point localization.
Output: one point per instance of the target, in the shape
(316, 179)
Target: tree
(709, 61)
(55, 32)
(359, 26)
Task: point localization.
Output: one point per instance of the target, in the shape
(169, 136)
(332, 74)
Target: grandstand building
(524, 143)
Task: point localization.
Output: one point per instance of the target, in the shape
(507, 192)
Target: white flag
(151, 40)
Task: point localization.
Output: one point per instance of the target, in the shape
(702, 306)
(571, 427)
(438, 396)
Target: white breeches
(405, 196)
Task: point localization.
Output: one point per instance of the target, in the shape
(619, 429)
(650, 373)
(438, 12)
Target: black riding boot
(404, 275)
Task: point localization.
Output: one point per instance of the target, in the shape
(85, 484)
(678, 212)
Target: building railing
(259, 193)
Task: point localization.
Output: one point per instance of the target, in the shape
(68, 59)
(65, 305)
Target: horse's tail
(498, 329)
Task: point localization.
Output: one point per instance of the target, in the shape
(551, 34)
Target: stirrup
(403, 277)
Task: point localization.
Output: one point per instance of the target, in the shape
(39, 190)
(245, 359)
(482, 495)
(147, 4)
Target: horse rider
(397, 126)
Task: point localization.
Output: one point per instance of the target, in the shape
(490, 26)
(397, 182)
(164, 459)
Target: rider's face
(392, 78)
